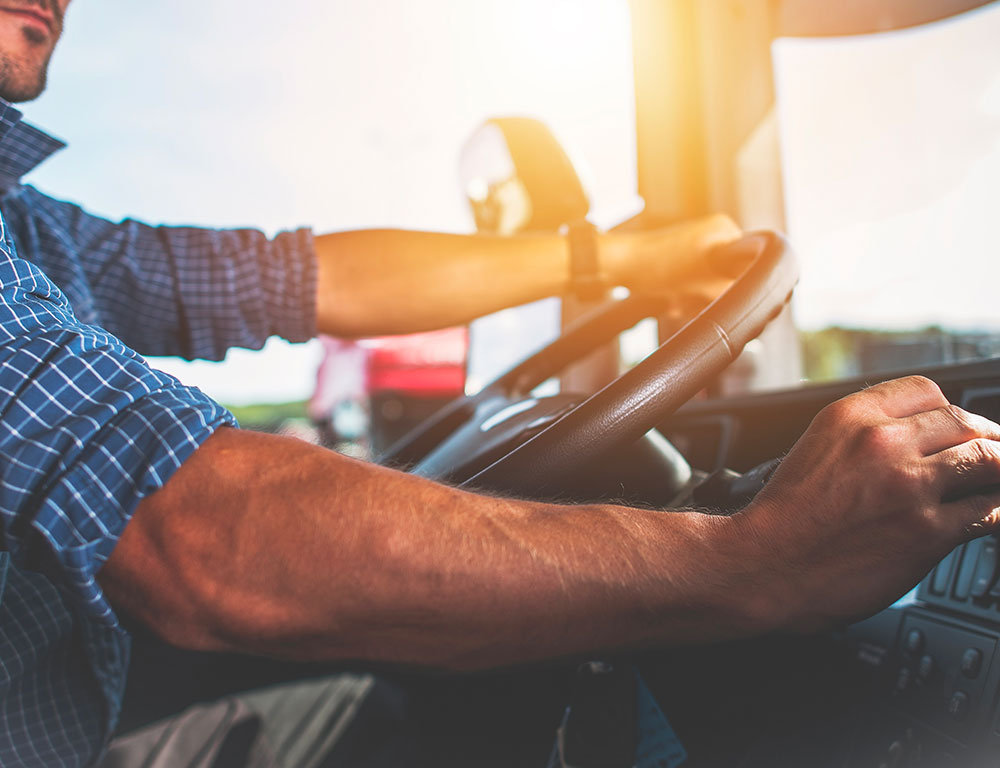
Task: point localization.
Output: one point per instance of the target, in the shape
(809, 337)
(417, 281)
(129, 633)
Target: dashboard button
(903, 680)
(986, 568)
(926, 667)
(967, 570)
(942, 574)
(972, 662)
(897, 753)
(915, 641)
(958, 705)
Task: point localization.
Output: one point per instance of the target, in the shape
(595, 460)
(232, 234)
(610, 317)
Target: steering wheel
(503, 439)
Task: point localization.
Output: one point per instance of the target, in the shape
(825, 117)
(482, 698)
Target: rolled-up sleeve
(87, 429)
(173, 290)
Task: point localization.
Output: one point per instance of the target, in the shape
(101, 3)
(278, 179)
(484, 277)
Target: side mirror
(517, 178)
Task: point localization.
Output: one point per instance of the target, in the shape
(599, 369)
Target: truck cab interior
(859, 144)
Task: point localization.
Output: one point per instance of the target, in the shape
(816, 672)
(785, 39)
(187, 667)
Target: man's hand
(681, 261)
(882, 485)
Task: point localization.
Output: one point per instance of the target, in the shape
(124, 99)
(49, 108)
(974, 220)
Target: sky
(334, 114)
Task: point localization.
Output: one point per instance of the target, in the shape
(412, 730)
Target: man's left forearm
(384, 281)
(381, 282)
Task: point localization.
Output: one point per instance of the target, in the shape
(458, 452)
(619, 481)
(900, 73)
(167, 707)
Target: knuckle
(725, 224)
(961, 419)
(924, 385)
(839, 411)
(879, 439)
(976, 455)
(903, 481)
(991, 517)
(986, 516)
(984, 452)
(927, 522)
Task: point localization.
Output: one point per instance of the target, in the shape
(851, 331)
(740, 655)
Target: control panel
(967, 580)
(940, 679)
(939, 665)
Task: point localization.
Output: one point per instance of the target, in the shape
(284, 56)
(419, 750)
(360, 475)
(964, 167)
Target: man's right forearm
(269, 545)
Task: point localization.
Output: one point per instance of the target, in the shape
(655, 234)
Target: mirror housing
(518, 178)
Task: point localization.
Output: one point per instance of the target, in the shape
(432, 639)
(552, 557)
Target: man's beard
(17, 81)
(16, 85)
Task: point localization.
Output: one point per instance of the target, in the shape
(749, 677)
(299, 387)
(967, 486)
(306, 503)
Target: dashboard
(915, 685)
(935, 659)
(941, 674)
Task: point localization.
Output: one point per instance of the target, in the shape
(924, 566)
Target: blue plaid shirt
(87, 428)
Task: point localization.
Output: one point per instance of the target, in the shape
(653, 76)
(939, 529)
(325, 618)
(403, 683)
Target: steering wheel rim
(591, 331)
(644, 396)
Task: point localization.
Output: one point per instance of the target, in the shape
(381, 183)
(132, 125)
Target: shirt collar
(22, 146)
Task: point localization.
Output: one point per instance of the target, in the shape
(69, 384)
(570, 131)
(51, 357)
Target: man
(125, 493)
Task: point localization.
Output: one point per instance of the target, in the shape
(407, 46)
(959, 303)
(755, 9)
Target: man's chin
(19, 96)
(16, 88)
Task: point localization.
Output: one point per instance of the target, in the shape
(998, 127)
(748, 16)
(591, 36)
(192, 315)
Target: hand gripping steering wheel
(502, 440)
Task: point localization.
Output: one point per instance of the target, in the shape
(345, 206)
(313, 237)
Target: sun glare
(338, 115)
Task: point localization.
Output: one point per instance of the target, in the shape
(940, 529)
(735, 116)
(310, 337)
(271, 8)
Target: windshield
(886, 147)
(890, 154)
(336, 115)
